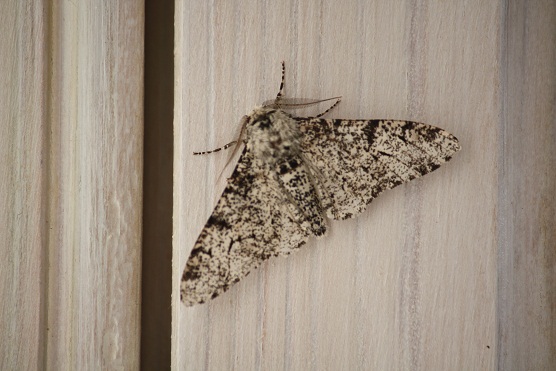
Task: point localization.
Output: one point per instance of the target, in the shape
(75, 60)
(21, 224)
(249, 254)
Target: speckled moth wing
(359, 159)
(248, 225)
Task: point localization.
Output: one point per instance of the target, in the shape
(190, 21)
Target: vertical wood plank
(73, 97)
(441, 273)
(96, 182)
(23, 183)
(527, 181)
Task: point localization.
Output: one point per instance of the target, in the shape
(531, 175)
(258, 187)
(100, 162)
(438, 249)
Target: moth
(295, 173)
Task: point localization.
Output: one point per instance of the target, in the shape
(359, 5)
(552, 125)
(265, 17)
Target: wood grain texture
(452, 271)
(23, 58)
(526, 201)
(71, 161)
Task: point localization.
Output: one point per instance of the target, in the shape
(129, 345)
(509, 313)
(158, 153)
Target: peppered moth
(293, 174)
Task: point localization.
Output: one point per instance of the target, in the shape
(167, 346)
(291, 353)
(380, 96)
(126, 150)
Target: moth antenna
(338, 100)
(279, 97)
(226, 146)
(330, 108)
(281, 90)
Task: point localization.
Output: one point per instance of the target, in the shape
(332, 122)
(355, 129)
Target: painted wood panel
(452, 271)
(71, 185)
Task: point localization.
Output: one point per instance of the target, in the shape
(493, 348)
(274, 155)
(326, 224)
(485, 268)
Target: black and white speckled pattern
(292, 174)
(361, 158)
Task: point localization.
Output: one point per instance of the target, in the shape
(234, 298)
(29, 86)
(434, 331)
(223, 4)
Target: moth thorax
(272, 135)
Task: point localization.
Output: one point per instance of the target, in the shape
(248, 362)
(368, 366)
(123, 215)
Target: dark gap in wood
(156, 281)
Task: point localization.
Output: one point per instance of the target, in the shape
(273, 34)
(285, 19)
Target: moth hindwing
(295, 173)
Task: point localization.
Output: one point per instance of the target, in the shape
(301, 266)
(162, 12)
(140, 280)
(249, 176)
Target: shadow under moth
(295, 173)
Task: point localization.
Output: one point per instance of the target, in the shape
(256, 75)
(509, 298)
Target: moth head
(271, 134)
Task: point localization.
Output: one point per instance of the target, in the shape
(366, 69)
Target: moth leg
(305, 208)
(318, 180)
(286, 199)
(289, 204)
